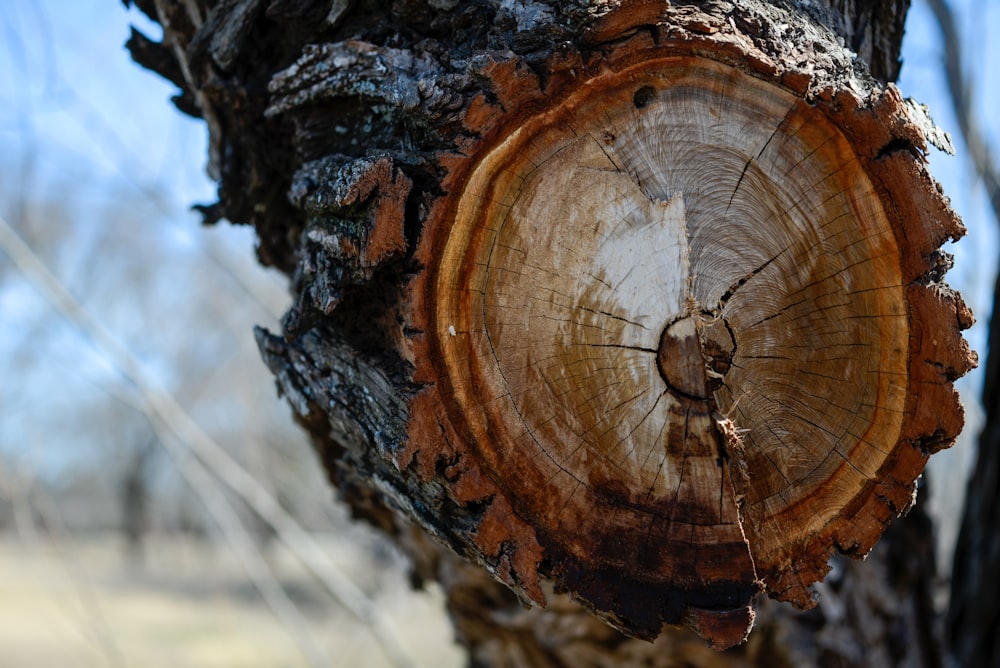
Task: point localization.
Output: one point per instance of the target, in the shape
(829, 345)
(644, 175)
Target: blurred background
(158, 507)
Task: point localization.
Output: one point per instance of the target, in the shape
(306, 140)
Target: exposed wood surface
(637, 302)
(669, 315)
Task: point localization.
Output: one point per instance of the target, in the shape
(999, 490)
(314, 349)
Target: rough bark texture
(346, 133)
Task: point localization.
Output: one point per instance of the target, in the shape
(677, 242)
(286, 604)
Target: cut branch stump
(645, 305)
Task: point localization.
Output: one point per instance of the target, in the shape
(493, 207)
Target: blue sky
(72, 96)
(84, 127)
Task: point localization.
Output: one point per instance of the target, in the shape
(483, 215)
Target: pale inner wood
(692, 196)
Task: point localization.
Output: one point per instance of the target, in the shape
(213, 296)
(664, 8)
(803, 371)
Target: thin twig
(193, 471)
(242, 544)
(163, 407)
(95, 125)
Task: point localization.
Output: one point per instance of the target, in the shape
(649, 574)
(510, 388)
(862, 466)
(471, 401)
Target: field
(187, 603)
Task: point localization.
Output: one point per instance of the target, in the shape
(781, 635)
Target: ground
(81, 601)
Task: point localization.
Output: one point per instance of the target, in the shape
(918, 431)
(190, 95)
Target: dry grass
(82, 602)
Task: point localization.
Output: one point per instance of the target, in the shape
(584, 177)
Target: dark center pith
(694, 354)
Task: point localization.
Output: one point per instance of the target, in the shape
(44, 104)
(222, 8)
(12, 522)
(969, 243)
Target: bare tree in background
(104, 437)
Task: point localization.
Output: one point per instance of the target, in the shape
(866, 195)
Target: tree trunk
(974, 615)
(135, 498)
(635, 306)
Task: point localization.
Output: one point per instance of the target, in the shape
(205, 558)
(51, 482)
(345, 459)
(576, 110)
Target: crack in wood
(610, 212)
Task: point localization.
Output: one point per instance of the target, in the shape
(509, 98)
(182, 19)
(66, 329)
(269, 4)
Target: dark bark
(873, 30)
(974, 616)
(331, 127)
(135, 498)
